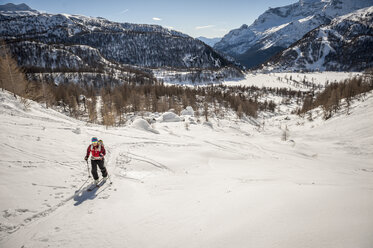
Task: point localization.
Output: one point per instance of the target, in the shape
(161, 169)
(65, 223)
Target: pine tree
(206, 110)
(239, 111)
(12, 77)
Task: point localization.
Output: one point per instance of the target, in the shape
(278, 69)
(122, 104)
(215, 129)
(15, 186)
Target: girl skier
(97, 152)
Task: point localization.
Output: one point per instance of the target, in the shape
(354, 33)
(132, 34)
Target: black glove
(86, 158)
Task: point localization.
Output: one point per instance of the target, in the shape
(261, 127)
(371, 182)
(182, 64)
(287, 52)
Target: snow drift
(143, 125)
(170, 117)
(187, 111)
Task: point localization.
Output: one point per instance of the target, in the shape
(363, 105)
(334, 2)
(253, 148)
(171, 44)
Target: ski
(98, 185)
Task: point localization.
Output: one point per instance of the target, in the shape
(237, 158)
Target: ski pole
(89, 175)
(110, 179)
(108, 176)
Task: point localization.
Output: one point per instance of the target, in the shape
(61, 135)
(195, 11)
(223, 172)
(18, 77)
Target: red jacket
(97, 152)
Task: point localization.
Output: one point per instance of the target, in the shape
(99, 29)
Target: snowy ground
(291, 80)
(228, 185)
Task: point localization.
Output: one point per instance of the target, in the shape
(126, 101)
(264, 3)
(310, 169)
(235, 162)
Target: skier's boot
(96, 181)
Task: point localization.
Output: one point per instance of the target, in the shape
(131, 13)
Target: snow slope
(224, 185)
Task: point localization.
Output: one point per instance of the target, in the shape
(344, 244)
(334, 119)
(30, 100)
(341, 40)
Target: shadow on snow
(82, 194)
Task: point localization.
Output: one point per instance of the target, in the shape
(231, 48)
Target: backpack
(99, 147)
(100, 144)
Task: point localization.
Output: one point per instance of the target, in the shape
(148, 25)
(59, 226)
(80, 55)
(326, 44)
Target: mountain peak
(15, 7)
(278, 28)
(321, 48)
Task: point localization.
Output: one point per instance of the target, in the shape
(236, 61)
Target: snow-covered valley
(229, 184)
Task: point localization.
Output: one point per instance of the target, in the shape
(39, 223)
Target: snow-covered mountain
(346, 44)
(63, 42)
(209, 41)
(278, 28)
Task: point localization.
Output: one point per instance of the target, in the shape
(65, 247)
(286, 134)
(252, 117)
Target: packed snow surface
(231, 184)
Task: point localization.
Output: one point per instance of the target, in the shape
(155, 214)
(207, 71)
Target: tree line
(330, 98)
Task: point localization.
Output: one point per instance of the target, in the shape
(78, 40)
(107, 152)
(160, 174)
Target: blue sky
(194, 17)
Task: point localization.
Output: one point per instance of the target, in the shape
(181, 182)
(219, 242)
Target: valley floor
(229, 185)
(291, 80)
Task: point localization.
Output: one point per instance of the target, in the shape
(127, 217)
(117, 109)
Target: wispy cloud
(157, 19)
(207, 26)
(169, 27)
(124, 11)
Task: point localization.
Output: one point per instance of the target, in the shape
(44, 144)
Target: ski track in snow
(226, 186)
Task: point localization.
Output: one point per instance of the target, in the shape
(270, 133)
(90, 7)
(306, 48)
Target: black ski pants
(100, 164)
